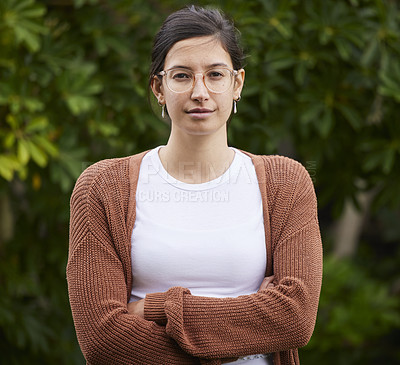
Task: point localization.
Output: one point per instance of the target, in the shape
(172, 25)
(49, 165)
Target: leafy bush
(322, 85)
(356, 313)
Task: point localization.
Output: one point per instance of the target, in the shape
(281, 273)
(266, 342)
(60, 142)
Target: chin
(201, 128)
(200, 132)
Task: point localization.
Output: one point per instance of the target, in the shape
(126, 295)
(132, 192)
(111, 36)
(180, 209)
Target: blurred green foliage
(322, 85)
(356, 314)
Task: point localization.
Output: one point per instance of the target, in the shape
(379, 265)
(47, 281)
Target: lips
(200, 112)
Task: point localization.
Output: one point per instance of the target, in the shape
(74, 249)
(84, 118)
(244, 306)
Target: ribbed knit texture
(181, 328)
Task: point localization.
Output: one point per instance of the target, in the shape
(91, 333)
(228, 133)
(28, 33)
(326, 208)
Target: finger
(267, 281)
(131, 307)
(266, 286)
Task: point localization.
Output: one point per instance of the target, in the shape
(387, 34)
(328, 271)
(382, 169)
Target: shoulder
(97, 172)
(286, 183)
(280, 169)
(289, 191)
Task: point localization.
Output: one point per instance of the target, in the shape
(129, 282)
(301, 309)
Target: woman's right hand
(267, 283)
(136, 308)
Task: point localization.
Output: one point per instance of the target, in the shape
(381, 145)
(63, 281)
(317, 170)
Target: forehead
(197, 53)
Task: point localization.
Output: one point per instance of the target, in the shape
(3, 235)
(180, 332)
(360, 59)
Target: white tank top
(206, 237)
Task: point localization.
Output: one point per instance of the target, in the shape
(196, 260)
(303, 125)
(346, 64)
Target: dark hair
(191, 22)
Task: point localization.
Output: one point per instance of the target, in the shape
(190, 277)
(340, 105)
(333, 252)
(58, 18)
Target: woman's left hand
(267, 283)
(136, 308)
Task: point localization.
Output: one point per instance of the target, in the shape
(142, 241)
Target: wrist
(154, 308)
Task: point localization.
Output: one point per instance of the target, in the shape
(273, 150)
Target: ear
(239, 82)
(157, 88)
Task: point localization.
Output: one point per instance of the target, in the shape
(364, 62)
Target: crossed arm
(137, 308)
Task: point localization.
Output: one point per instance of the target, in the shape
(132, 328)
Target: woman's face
(198, 111)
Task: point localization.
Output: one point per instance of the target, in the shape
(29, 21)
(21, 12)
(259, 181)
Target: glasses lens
(217, 80)
(179, 80)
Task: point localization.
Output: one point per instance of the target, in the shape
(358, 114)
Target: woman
(172, 250)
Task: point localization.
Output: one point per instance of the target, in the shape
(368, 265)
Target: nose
(200, 91)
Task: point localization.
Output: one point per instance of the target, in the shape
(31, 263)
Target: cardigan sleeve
(97, 287)
(272, 320)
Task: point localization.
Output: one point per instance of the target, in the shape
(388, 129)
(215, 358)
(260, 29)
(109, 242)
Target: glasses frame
(233, 73)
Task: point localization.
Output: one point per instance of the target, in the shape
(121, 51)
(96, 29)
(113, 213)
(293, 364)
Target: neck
(196, 159)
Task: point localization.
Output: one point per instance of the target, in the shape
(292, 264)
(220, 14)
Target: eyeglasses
(217, 80)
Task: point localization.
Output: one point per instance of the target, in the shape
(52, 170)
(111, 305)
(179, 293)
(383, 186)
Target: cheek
(173, 103)
(226, 105)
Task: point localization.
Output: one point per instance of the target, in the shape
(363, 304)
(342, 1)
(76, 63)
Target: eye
(180, 75)
(216, 74)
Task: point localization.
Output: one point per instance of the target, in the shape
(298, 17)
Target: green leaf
(79, 104)
(312, 113)
(23, 152)
(389, 82)
(33, 12)
(37, 124)
(280, 59)
(390, 92)
(373, 160)
(326, 123)
(284, 30)
(33, 105)
(344, 48)
(351, 115)
(12, 121)
(31, 40)
(9, 140)
(37, 154)
(46, 145)
(370, 52)
(8, 165)
(19, 6)
(390, 78)
(388, 161)
(300, 73)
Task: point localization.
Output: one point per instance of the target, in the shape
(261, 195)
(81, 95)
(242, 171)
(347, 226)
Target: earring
(162, 109)
(235, 104)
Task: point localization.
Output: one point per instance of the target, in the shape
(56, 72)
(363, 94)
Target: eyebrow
(218, 64)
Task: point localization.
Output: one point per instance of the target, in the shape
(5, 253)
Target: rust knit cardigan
(180, 328)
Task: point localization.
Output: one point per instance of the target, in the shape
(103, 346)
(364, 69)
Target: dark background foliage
(322, 86)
